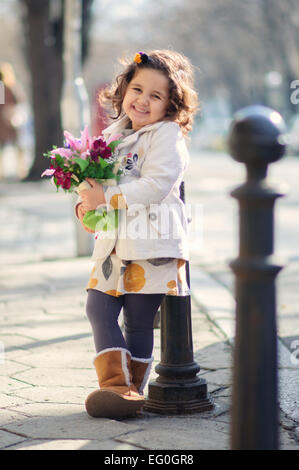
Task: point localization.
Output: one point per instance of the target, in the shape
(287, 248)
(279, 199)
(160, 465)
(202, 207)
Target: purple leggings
(139, 311)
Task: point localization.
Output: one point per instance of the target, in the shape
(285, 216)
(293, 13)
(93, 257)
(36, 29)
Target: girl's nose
(143, 99)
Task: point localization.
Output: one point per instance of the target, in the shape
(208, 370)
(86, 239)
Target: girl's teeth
(139, 110)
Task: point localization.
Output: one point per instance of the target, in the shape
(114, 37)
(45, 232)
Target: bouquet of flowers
(86, 158)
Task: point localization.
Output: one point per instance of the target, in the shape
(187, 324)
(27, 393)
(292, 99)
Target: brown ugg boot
(117, 396)
(140, 372)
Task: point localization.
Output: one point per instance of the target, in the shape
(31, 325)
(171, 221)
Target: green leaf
(59, 160)
(55, 182)
(108, 173)
(101, 220)
(48, 155)
(90, 220)
(83, 164)
(113, 145)
(103, 163)
(112, 220)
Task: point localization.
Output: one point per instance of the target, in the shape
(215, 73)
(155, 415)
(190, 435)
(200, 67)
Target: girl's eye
(157, 96)
(136, 89)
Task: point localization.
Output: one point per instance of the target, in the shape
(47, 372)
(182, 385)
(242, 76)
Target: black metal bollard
(255, 139)
(178, 389)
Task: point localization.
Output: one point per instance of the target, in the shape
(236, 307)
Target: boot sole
(108, 404)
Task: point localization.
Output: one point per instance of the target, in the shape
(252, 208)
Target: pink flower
(48, 172)
(75, 144)
(114, 137)
(85, 140)
(85, 155)
(78, 145)
(63, 152)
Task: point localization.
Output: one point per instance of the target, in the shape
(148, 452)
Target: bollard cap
(257, 134)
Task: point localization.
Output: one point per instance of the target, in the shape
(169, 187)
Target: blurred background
(244, 52)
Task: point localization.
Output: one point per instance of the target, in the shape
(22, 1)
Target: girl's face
(146, 98)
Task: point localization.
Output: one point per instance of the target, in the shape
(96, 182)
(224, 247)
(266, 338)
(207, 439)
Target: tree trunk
(44, 55)
(44, 48)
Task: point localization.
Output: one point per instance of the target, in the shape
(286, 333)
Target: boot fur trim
(111, 349)
(143, 359)
(147, 372)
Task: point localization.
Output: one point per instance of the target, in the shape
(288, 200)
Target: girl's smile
(138, 110)
(146, 99)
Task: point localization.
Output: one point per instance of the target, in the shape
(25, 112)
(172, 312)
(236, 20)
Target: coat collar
(121, 124)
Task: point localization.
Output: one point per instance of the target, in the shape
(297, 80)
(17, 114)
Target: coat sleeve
(164, 166)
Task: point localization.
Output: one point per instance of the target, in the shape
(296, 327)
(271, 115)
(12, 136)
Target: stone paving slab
(72, 444)
(185, 432)
(8, 439)
(60, 421)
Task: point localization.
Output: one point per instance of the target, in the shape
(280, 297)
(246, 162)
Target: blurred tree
(281, 39)
(43, 26)
(234, 44)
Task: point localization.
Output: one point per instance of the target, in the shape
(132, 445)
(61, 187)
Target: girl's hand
(81, 213)
(93, 197)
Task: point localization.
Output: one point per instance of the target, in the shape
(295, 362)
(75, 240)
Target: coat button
(152, 216)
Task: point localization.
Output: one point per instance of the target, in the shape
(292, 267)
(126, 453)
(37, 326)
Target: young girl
(144, 258)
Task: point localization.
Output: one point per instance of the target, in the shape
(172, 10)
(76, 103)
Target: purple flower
(94, 156)
(99, 149)
(62, 178)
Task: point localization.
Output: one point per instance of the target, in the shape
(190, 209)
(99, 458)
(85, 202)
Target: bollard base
(165, 398)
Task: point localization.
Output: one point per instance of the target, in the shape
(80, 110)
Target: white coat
(154, 224)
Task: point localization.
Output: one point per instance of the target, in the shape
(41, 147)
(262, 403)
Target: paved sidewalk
(46, 370)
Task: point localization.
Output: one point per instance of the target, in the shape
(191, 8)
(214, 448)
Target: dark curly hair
(183, 100)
